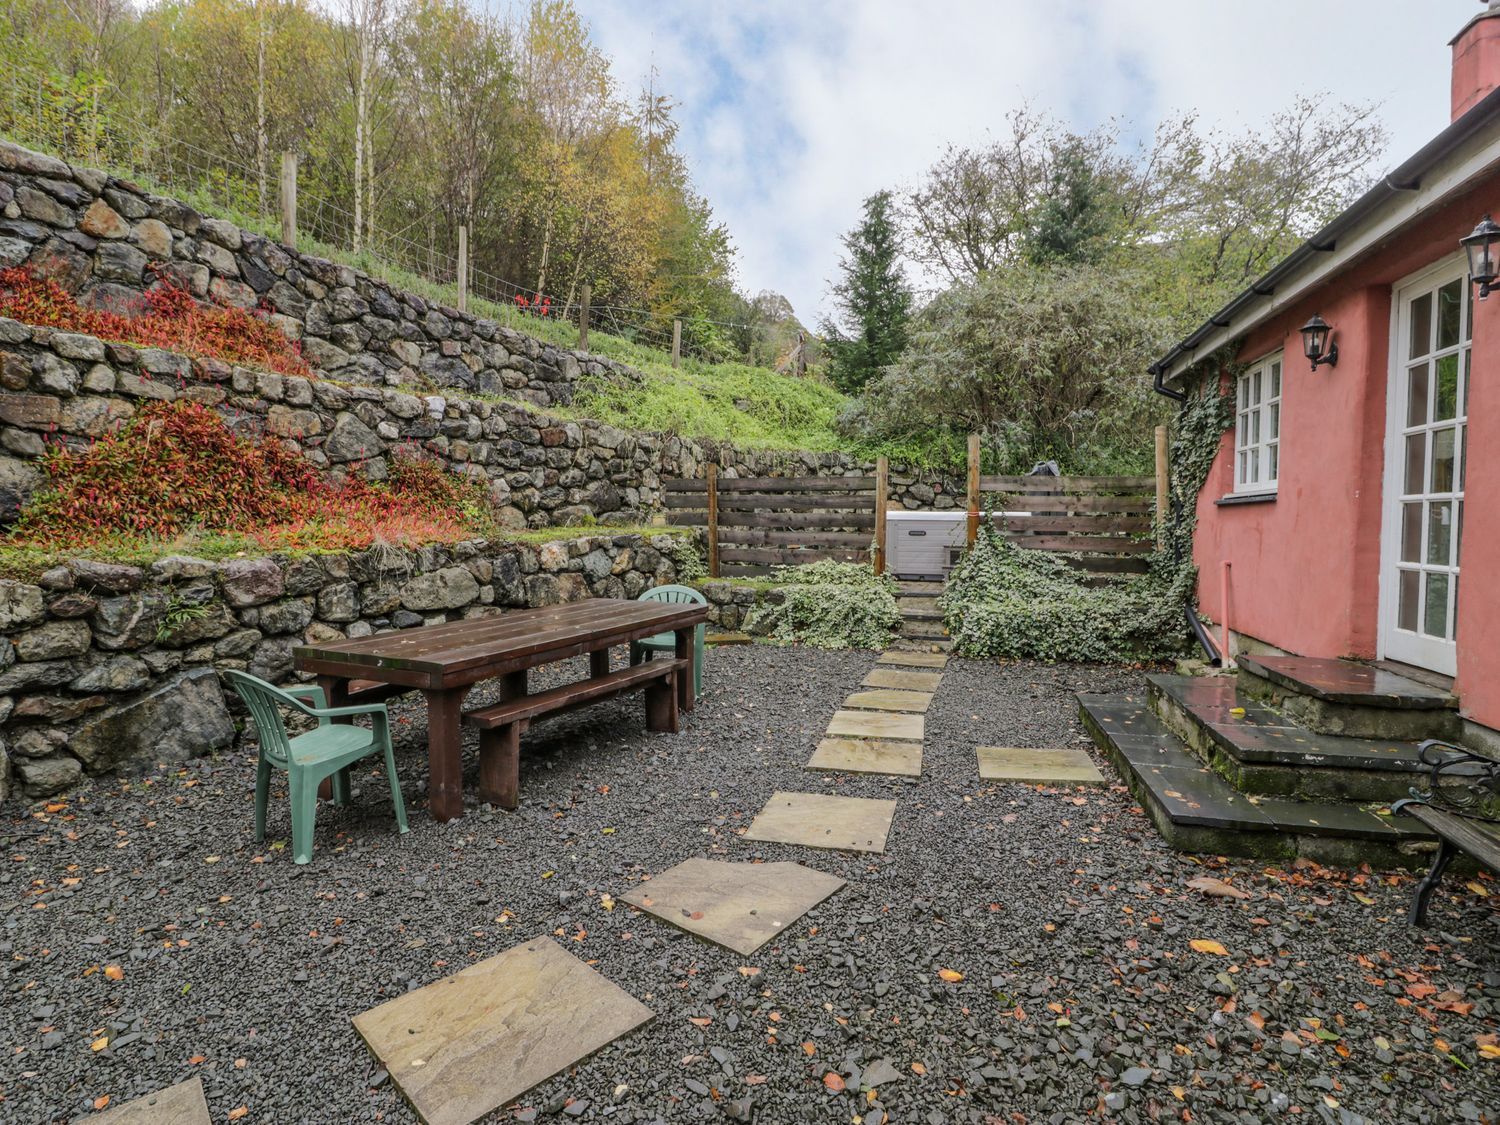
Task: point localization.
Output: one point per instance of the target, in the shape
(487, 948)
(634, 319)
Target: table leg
(599, 663)
(445, 766)
(685, 693)
(336, 691)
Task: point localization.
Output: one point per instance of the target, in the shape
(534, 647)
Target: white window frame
(1257, 427)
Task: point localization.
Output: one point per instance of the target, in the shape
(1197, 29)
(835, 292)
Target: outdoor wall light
(1481, 247)
(1315, 345)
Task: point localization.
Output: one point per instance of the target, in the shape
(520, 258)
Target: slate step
(1196, 810)
(919, 589)
(1260, 750)
(909, 606)
(1344, 697)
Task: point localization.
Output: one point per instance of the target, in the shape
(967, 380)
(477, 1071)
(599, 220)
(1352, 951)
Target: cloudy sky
(793, 111)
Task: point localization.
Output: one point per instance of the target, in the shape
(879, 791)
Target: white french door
(1427, 409)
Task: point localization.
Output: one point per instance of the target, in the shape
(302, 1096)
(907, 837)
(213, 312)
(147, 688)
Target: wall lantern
(1484, 261)
(1315, 345)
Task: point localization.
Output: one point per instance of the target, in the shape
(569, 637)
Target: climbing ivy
(1006, 602)
(829, 605)
(687, 556)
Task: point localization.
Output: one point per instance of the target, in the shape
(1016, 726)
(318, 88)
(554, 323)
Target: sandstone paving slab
(913, 659)
(868, 755)
(881, 699)
(817, 820)
(472, 1042)
(902, 679)
(182, 1104)
(1038, 766)
(876, 724)
(740, 906)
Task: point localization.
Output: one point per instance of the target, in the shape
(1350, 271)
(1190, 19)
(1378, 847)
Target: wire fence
(69, 119)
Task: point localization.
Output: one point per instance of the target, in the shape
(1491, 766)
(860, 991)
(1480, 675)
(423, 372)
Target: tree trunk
(262, 143)
(362, 30)
(541, 277)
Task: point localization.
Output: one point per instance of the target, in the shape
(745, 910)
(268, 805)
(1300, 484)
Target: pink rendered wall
(1305, 568)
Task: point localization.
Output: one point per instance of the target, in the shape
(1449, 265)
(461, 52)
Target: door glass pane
(1255, 389)
(1276, 380)
(1446, 403)
(1272, 462)
(1468, 376)
(1416, 396)
(1442, 461)
(1411, 595)
(1416, 459)
(1435, 608)
(1411, 533)
(1275, 422)
(1439, 533)
(1450, 298)
(1458, 536)
(1421, 326)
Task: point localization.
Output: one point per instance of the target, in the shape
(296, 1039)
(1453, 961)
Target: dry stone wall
(105, 667)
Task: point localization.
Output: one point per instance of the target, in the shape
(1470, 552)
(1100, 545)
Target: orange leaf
(1203, 945)
(101, 1101)
(699, 1021)
(114, 972)
(237, 1112)
(808, 1048)
(950, 975)
(918, 1068)
(833, 1082)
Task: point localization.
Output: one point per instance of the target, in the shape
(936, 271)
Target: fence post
(713, 520)
(676, 340)
(289, 199)
(801, 354)
(882, 490)
(583, 317)
(973, 497)
(463, 269)
(1163, 486)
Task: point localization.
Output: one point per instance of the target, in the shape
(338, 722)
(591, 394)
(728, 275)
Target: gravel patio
(1068, 918)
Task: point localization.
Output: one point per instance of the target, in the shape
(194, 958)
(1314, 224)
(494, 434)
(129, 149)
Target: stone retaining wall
(106, 667)
(106, 240)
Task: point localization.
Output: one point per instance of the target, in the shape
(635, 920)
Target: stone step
(922, 644)
(1260, 750)
(908, 606)
(921, 628)
(919, 589)
(1343, 697)
(1196, 810)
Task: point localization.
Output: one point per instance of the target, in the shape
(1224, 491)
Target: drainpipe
(1224, 609)
(1161, 388)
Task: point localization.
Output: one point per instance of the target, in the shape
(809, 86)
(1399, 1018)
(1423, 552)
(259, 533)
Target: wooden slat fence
(775, 521)
(1108, 521)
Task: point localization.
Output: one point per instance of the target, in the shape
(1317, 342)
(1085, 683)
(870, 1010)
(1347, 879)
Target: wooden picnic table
(444, 661)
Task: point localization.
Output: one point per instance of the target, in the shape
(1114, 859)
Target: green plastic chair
(326, 751)
(667, 642)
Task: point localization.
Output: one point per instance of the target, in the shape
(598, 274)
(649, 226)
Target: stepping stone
(855, 824)
(874, 724)
(474, 1041)
(1038, 767)
(914, 659)
(182, 1104)
(902, 679)
(910, 702)
(740, 906)
(868, 755)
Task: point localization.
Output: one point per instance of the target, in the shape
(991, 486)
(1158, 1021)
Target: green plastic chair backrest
(673, 594)
(265, 702)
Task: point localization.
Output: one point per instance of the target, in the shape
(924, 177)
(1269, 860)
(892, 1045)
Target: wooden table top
(474, 648)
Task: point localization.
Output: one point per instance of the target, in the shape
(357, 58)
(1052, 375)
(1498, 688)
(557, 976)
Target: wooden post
(713, 520)
(882, 490)
(1163, 486)
(676, 341)
(801, 354)
(289, 199)
(463, 269)
(973, 498)
(583, 317)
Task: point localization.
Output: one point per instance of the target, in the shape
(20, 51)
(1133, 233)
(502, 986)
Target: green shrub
(1007, 602)
(830, 605)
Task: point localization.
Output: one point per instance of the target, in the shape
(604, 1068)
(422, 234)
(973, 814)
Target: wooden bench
(501, 725)
(1461, 806)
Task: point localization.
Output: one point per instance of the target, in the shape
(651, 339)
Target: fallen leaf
(808, 1048)
(699, 1021)
(1215, 888)
(918, 1068)
(749, 971)
(100, 1043)
(833, 1082)
(101, 1101)
(238, 1111)
(114, 972)
(1203, 945)
(196, 1059)
(952, 976)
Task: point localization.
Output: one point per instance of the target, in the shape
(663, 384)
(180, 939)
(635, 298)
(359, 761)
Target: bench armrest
(1460, 778)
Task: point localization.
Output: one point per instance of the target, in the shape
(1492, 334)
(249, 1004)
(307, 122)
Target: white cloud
(793, 112)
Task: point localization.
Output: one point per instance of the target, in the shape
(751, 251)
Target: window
(1257, 427)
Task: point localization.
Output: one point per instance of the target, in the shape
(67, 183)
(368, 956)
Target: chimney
(1476, 59)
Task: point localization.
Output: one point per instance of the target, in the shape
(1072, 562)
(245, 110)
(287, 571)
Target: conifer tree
(873, 299)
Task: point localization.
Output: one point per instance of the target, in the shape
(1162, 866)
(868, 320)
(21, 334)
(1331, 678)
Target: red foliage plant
(178, 467)
(169, 318)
